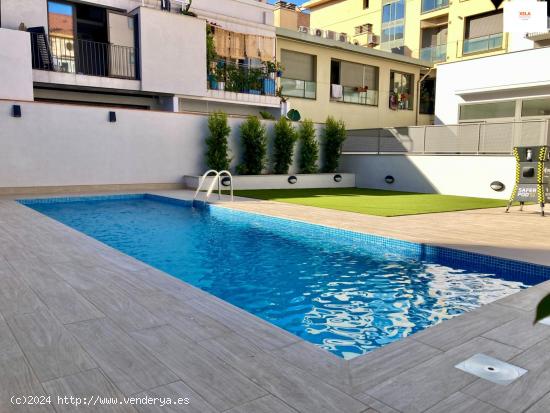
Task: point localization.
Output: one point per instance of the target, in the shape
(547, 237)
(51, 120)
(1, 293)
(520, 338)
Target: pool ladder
(217, 177)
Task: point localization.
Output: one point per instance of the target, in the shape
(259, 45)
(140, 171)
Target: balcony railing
(358, 96)
(482, 44)
(299, 88)
(431, 5)
(84, 57)
(241, 78)
(434, 54)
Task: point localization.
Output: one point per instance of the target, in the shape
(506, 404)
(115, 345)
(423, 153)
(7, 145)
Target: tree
(334, 136)
(254, 142)
(285, 138)
(309, 150)
(217, 157)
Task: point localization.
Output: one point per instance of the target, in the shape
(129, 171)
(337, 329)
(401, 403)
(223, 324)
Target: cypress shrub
(334, 136)
(309, 151)
(216, 143)
(283, 146)
(254, 142)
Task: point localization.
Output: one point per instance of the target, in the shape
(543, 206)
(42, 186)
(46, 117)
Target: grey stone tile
(425, 385)
(219, 384)
(376, 367)
(127, 364)
(297, 388)
(267, 404)
(528, 299)
(542, 406)
(462, 403)
(90, 386)
(526, 390)
(321, 363)
(15, 295)
(463, 328)
(67, 305)
(175, 391)
(520, 332)
(50, 349)
(376, 405)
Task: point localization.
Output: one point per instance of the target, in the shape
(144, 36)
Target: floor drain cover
(545, 321)
(491, 369)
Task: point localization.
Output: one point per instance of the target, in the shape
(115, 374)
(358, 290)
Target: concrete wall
(450, 175)
(356, 116)
(15, 65)
(30, 12)
(173, 53)
(513, 75)
(64, 145)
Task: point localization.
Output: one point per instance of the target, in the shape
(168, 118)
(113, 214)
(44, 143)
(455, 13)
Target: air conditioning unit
(373, 40)
(303, 29)
(329, 34)
(319, 32)
(343, 37)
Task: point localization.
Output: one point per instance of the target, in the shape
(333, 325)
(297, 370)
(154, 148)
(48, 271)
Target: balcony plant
(283, 146)
(217, 147)
(254, 143)
(334, 136)
(309, 147)
(254, 81)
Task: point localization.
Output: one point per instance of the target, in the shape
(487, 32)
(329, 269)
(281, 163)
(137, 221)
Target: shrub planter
(344, 180)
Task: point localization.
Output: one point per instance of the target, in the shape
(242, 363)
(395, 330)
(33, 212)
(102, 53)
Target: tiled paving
(79, 318)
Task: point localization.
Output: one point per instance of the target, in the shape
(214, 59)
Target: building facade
(434, 30)
(364, 87)
(143, 54)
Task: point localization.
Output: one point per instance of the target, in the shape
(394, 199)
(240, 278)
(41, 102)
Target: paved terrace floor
(79, 318)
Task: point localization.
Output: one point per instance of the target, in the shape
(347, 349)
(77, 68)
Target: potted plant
(220, 74)
(285, 104)
(254, 81)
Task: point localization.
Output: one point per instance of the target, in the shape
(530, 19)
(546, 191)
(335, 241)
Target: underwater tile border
(421, 251)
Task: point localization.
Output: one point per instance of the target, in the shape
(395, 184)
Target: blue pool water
(349, 293)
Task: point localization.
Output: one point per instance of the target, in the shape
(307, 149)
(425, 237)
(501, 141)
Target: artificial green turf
(373, 201)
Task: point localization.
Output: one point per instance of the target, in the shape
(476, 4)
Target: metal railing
(85, 57)
(482, 44)
(434, 54)
(298, 88)
(463, 139)
(241, 78)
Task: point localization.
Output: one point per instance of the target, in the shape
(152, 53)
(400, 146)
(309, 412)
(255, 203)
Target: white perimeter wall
(518, 74)
(63, 145)
(450, 175)
(15, 65)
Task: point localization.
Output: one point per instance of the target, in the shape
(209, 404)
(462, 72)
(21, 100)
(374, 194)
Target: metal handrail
(217, 178)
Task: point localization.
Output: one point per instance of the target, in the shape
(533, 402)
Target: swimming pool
(347, 292)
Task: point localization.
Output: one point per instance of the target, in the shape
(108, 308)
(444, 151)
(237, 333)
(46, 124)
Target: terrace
(69, 304)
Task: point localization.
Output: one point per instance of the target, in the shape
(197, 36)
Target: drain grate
(491, 369)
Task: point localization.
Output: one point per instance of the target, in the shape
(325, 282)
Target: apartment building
(364, 87)
(143, 54)
(434, 30)
(290, 16)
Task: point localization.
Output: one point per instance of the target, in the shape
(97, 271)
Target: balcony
(432, 5)
(482, 44)
(299, 88)
(434, 54)
(83, 57)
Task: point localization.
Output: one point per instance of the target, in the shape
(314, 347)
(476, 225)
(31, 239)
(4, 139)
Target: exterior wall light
(389, 179)
(112, 116)
(498, 186)
(16, 111)
(337, 178)
(226, 181)
(292, 180)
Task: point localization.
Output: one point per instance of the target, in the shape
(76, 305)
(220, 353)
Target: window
(429, 5)
(401, 91)
(483, 32)
(354, 83)
(299, 77)
(393, 27)
(492, 110)
(535, 107)
(393, 10)
(365, 4)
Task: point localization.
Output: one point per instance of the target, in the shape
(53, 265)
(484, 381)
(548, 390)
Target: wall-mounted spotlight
(16, 111)
(112, 116)
(337, 178)
(226, 181)
(498, 186)
(389, 179)
(292, 180)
